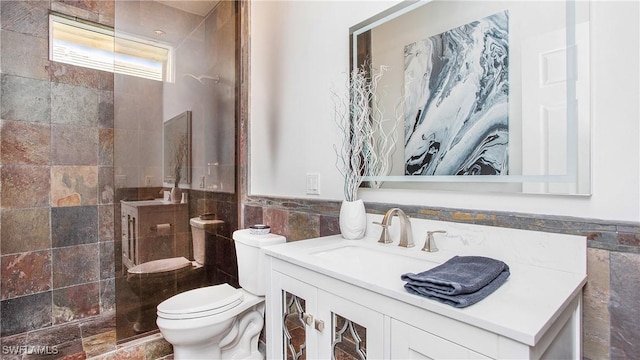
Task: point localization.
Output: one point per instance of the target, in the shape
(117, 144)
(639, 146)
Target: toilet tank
(251, 274)
(199, 228)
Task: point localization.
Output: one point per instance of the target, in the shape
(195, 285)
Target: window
(95, 46)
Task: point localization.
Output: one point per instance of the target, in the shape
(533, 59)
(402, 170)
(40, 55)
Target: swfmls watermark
(29, 350)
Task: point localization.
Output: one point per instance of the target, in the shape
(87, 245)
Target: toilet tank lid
(204, 224)
(162, 265)
(244, 236)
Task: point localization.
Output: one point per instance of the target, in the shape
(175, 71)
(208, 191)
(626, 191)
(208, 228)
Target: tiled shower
(67, 134)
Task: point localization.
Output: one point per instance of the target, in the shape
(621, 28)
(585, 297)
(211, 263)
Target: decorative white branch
(366, 147)
(383, 138)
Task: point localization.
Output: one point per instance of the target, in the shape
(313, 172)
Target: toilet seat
(197, 303)
(160, 266)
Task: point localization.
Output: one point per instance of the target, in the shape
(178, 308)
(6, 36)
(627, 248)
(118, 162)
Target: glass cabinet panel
(309, 323)
(353, 331)
(349, 339)
(293, 328)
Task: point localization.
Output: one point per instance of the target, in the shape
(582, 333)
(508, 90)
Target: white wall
(207, 52)
(299, 54)
(204, 48)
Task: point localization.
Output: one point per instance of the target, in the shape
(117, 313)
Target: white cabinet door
(315, 324)
(292, 335)
(408, 342)
(349, 330)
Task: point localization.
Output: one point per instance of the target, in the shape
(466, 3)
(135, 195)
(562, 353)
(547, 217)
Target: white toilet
(221, 322)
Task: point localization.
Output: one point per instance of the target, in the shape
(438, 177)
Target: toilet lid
(158, 266)
(200, 302)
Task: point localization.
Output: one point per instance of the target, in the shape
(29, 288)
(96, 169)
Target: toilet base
(204, 351)
(238, 341)
(242, 340)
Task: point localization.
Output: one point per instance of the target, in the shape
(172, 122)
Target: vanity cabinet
(316, 324)
(152, 230)
(334, 298)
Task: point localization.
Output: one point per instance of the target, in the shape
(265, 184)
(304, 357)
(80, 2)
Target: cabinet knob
(308, 319)
(320, 325)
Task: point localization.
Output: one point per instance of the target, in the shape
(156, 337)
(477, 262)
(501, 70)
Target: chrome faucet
(430, 242)
(406, 238)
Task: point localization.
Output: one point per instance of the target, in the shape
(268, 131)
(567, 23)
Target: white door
(545, 127)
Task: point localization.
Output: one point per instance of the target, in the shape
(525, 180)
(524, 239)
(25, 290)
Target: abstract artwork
(456, 107)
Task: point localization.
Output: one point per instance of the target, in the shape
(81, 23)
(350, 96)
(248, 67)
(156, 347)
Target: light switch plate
(313, 184)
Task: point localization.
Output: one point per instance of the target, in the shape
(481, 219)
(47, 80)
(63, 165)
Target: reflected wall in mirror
(177, 149)
(493, 87)
(199, 74)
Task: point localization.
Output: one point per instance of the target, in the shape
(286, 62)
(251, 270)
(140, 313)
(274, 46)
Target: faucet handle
(430, 242)
(384, 235)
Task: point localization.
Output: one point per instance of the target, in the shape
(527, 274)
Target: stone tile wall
(56, 171)
(611, 315)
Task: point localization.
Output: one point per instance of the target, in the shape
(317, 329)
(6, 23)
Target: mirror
(151, 121)
(177, 149)
(198, 73)
(490, 95)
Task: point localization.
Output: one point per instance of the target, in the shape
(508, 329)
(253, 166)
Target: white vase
(353, 219)
(175, 196)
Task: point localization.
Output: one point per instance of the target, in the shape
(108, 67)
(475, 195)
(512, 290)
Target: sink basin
(375, 262)
(359, 254)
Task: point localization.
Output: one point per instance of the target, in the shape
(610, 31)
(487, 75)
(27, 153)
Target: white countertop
(522, 309)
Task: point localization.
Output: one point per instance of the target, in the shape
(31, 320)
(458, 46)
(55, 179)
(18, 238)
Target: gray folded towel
(461, 281)
(460, 300)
